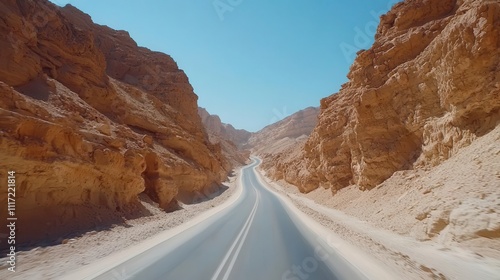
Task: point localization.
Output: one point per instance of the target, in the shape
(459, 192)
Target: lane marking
(125, 255)
(236, 254)
(244, 231)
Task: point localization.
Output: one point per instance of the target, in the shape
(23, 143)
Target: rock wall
(215, 126)
(284, 141)
(227, 137)
(271, 137)
(89, 120)
(429, 86)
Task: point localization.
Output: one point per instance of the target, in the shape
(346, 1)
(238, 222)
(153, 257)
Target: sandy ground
(439, 222)
(54, 261)
(403, 256)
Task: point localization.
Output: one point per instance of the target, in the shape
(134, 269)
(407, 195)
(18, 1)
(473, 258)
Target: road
(257, 238)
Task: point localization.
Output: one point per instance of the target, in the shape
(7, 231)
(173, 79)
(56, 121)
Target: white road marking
(241, 237)
(235, 256)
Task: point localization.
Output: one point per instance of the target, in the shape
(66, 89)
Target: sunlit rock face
(215, 126)
(89, 120)
(227, 137)
(428, 86)
(292, 127)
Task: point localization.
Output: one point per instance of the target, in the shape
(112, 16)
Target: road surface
(256, 238)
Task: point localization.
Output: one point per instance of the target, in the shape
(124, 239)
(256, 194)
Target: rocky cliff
(284, 133)
(215, 126)
(283, 141)
(89, 120)
(230, 139)
(428, 87)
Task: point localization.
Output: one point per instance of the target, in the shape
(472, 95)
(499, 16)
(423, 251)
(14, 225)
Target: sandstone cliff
(89, 120)
(410, 143)
(284, 141)
(230, 139)
(215, 126)
(285, 133)
(428, 87)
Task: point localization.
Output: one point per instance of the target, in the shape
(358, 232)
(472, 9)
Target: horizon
(250, 75)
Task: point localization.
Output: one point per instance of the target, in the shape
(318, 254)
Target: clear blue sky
(251, 62)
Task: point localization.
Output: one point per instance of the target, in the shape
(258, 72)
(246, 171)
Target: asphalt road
(257, 238)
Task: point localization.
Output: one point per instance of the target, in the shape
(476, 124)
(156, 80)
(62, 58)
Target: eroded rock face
(215, 126)
(292, 127)
(89, 120)
(283, 142)
(428, 87)
(227, 137)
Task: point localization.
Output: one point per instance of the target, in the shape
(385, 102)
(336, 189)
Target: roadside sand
(391, 240)
(455, 204)
(55, 261)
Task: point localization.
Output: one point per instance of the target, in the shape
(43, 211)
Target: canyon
(107, 139)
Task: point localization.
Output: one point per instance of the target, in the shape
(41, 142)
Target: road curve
(255, 238)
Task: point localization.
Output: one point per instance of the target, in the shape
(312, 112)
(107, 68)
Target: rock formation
(284, 133)
(89, 120)
(283, 141)
(429, 86)
(215, 126)
(230, 139)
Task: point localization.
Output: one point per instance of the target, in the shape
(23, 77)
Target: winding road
(257, 237)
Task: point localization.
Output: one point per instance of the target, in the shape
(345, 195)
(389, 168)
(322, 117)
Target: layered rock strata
(429, 86)
(229, 138)
(89, 120)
